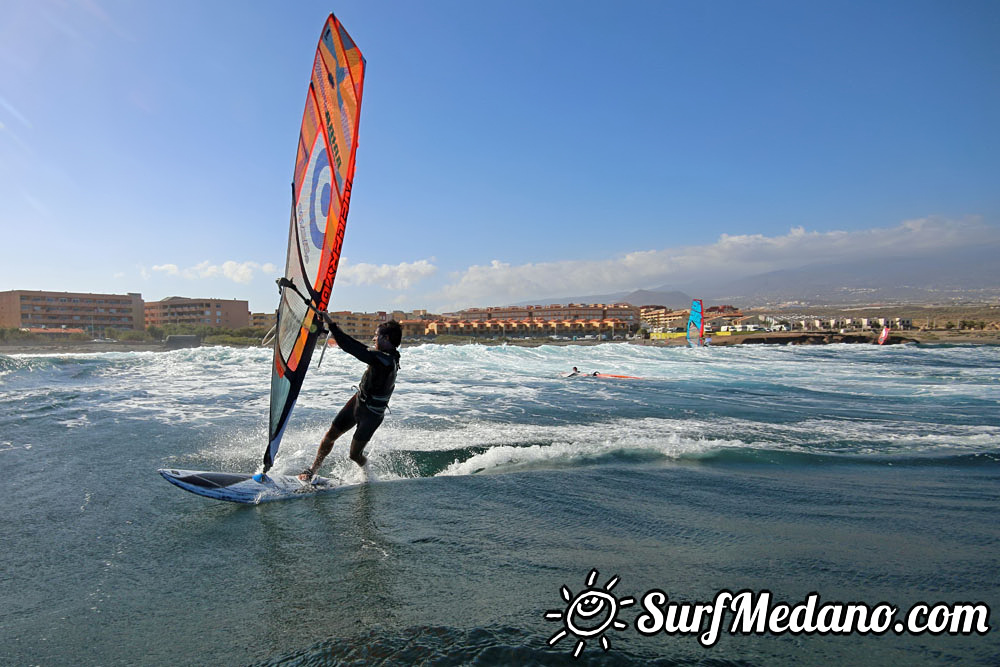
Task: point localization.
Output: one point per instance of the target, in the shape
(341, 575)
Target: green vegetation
(129, 335)
(232, 340)
(15, 336)
(244, 336)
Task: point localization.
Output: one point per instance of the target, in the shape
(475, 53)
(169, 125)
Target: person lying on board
(576, 371)
(366, 409)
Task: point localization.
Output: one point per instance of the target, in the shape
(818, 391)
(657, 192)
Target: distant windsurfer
(884, 336)
(367, 407)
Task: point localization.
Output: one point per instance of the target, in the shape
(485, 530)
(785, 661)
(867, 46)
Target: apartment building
(359, 325)
(362, 325)
(216, 313)
(263, 320)
(659, 318)
(94, 313)
(601, 328)
(625, 312)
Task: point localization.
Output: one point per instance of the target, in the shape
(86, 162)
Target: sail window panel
(316, 201)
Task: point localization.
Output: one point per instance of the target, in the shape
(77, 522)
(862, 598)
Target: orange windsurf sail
(321, 196)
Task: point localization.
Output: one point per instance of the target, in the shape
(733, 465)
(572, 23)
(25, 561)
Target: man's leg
(326, 446)
(368, 422)
(342, 423)
(358, 450)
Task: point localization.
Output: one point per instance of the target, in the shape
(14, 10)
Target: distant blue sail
(696, 325)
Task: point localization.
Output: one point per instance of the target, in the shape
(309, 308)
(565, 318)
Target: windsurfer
(367, 407)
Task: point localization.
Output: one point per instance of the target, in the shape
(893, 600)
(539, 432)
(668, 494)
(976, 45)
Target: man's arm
(348, 344)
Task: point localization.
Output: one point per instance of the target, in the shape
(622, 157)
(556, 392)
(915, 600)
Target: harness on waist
(383, 384)
(377, 404)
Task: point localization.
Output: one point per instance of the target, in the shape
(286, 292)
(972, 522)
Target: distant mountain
(661, 297)
(667, 298)
(967, 274)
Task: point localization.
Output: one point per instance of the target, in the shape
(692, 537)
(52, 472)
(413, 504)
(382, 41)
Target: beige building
(263, 320)
(604, 328)
(362, 325)
(94, 313)
(658, 319)
(624, 312)
(573, 320)
(359, 325)
(216, 313)
(413, 328)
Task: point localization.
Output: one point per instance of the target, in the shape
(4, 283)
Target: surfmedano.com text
(755, 613)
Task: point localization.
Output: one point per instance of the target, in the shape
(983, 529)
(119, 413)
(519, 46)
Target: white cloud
(731, 256)
(243, 272)
(399, 277)
(238, 272)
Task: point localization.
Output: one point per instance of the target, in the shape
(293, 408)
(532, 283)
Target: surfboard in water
(244, 488)
(321, 196)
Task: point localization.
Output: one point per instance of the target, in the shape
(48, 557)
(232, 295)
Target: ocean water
(864, 474)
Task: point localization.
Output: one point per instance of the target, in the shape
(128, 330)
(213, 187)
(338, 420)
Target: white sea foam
(506, 406)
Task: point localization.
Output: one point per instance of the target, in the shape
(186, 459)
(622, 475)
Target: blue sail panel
(696, 325)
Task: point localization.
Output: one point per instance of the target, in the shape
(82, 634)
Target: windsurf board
(247, 488)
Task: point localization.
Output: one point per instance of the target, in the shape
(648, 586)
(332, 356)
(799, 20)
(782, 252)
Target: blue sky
(508, 151)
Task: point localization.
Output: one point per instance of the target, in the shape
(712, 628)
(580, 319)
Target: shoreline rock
(812, 338)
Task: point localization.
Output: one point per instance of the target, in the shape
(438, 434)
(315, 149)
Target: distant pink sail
(885, 335)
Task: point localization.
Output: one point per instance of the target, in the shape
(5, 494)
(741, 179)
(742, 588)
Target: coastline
(936, 337)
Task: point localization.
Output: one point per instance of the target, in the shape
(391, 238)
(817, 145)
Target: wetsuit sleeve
(356, 348)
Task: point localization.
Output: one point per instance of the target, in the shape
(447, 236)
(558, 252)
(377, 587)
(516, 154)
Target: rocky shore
(808, 339)
(987, 337)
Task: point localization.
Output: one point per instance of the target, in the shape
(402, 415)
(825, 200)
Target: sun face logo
(589, 614)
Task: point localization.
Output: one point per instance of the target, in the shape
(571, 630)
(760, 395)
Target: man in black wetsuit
(366, 408)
